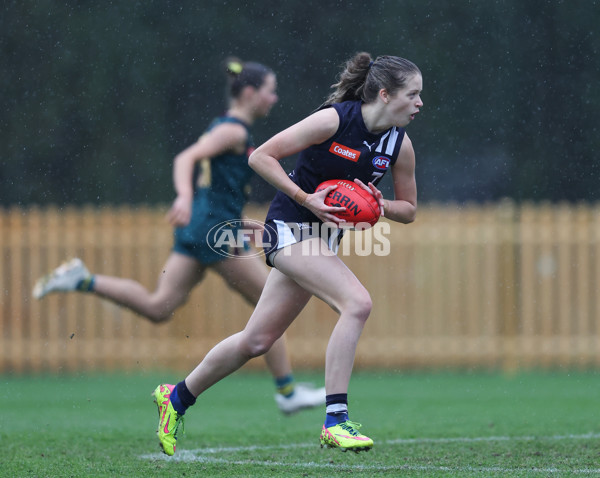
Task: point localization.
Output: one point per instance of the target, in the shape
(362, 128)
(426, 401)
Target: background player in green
(211, 179)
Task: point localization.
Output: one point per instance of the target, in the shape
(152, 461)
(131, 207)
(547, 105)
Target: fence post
(508, 282)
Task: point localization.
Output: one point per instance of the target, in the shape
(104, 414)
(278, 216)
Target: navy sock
(337, 409)
(285, 385)
(182, 398)
(87, 284)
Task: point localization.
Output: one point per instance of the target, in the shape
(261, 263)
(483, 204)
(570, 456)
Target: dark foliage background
(98, 97)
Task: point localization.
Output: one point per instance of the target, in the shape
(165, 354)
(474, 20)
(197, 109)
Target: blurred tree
(99, 97)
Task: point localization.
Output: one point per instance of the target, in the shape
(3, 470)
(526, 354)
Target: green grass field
(423, 424)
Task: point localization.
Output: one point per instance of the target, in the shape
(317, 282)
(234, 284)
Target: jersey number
(376, 177)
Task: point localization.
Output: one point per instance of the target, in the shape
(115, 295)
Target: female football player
(211, 181)
(372, 103)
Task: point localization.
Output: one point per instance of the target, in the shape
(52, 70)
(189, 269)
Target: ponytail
(363, 78)
(241, 74)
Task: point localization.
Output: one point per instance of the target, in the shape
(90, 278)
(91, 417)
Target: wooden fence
(493, 286)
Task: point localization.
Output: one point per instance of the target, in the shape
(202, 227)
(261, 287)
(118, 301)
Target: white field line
(206, 455)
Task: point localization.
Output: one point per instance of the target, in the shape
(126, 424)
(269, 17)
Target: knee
(255, 346)
(159, 317)
(161, 311)
(360, 304)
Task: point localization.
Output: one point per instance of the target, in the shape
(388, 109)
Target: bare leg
(281, 301)
(284, 296)
(247, 276)
(178, 277)
(327, 277)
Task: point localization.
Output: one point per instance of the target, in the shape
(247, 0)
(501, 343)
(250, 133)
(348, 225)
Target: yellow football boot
(168, 418)
(345, 436)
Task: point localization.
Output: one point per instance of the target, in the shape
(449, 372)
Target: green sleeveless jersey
(222, 182)
(220, 193)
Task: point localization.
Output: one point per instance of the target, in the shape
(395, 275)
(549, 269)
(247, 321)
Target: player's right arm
(222, 138)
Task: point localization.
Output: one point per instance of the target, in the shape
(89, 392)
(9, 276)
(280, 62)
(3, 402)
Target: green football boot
(168, 419)
(345, 436)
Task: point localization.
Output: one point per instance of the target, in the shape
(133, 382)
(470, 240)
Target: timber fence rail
(496, 285)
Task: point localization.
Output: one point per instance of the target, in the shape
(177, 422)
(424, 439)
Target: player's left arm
(404, 206)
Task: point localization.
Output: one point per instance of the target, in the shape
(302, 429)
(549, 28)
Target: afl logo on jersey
(381, 162)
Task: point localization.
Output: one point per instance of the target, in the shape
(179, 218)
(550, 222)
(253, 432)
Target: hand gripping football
(361, 206)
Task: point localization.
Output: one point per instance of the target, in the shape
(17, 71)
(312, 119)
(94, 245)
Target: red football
(361, 206)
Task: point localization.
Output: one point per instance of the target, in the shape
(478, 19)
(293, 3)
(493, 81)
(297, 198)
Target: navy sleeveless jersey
(352, 152)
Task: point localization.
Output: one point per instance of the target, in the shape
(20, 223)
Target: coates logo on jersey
(381, 162)
(344, 151)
